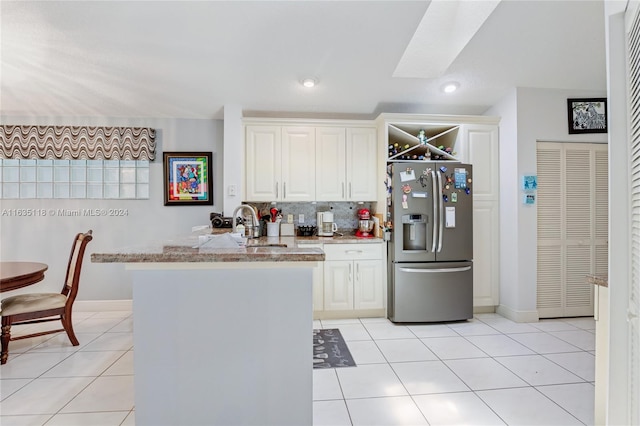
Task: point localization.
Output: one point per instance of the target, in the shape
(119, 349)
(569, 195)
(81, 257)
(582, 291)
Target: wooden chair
(36, 307)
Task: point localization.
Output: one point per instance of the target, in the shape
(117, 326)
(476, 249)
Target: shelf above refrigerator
(422, 142)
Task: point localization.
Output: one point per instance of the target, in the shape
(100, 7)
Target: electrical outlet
(300, 218)
(232, 190)
(289, 218)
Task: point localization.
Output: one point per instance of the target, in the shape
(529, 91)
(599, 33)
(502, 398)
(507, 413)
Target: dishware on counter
(306, 231)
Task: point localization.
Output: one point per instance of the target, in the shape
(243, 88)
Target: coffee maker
(326, 225)
(365, 224)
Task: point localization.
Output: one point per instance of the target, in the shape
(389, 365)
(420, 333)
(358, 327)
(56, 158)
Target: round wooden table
(14, 275)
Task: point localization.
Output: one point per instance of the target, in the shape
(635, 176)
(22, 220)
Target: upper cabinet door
(362, 164)
(331, 175)
(298, 164)
(480, 148)
(263, 163)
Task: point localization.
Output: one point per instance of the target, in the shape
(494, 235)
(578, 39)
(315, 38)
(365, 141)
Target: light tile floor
(487, 371)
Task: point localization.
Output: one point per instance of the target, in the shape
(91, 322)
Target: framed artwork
(587, 115)
(187, 178)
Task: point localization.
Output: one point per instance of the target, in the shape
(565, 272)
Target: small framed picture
(587, 115)
(187, 178)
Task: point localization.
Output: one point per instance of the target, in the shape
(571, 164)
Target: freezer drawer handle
(466, 268)
(353, 251)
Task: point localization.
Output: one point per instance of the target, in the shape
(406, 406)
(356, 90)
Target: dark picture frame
(187, 178)
(587, 115)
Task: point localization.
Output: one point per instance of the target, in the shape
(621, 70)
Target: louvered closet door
(633, 308)
(550, 253)
(572, 226)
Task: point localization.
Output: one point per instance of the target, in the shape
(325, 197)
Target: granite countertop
(346, 237)
(263, 249)
(185, 249)
(598, 279)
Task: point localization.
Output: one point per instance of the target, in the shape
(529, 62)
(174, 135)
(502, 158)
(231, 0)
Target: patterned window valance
(77, 142)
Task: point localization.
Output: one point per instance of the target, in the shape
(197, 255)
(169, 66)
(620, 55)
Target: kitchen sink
(267, 245)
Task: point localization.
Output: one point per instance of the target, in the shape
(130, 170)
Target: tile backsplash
(345, 214)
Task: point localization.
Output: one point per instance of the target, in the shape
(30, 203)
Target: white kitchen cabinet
(368, 284)
(318, 282)
(280, 163)
(331, 166)
(362, 164)
(479, 147)
(263, 162)
(354, 277)
(338, 285)
(346, 164)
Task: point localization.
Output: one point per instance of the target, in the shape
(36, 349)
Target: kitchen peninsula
(221, 336)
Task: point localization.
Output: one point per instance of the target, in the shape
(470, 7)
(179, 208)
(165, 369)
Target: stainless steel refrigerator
(430, 251)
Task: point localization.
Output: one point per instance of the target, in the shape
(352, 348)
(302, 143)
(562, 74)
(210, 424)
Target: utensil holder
(273, 229)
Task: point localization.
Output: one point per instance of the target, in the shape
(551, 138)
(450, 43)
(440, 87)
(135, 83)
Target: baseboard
(517, 316)
(360, 313)
(484, 309)
(102, 305)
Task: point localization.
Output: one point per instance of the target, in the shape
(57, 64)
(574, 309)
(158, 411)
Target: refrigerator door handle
(429, 271)
(441, 215)
(434, 234)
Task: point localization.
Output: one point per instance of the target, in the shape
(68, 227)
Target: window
(94, 179)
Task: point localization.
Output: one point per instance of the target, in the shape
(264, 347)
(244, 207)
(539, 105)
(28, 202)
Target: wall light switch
(232, 190)
(301, 218)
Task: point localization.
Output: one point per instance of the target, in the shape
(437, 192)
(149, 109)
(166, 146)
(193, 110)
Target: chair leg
(68, 327)
(6, 336)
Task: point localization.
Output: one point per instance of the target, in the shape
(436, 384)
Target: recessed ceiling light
(450, 87)
(309, 82)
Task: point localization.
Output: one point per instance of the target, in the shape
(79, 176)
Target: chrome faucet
(254, 232)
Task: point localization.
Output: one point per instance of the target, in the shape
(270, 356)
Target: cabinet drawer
(352, 251)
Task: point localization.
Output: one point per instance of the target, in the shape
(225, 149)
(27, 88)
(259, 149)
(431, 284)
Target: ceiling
(188, 59)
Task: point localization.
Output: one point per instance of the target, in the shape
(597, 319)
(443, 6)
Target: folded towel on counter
(228, 240)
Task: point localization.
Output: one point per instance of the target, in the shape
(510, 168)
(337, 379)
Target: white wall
(48, 239)
(506, 110)
(233, 158)
(620, 353)
(540, 115)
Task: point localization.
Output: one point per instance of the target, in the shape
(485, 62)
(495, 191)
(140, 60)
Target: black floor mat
(330, 349)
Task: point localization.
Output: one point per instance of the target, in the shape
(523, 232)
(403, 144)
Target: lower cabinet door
(338, 285)
(368, 287)
(318, 282)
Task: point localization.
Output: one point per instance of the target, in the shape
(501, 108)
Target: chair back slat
(80, 242)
